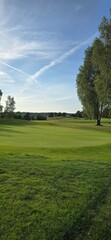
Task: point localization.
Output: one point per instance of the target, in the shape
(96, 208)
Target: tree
(41, 116)
(101, 61)
(10, 106)
(106, 112)
(18, 115)
(86, 88)
(78, 114)
(104, 61)
(1, 107)
(105, 30)
(1, 93)
(94, 78)
(27, 116)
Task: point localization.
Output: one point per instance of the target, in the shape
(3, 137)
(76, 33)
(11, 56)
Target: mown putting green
(55, 180)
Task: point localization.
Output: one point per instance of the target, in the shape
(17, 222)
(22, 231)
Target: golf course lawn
(55, 180)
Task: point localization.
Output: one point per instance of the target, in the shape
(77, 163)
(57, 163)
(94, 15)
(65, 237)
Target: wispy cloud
(5, 78)
(20, 42)
(20, 48)
(17, 43)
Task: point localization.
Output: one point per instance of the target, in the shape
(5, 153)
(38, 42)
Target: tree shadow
(8, 130)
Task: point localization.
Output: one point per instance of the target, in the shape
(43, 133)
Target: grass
(55, 180)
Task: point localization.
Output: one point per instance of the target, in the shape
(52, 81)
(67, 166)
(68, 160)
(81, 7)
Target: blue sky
(42, 46)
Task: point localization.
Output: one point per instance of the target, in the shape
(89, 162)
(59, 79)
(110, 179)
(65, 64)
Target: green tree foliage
(86, 88)
(41, 116)
(27, 116)
(106, 112)
(1, 107)
(102, 56)
(105, 30)
(1, 93)
(94, 77)
(18, 115)
(10, 106)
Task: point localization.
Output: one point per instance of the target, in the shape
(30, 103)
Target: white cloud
(5, 78)
(20, 48)
(18, 42)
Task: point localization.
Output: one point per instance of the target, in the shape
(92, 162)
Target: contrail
(59, 60)
(29, 78)
(32, 78)
(16, 69)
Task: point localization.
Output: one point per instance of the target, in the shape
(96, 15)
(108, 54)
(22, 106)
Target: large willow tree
(94, 77)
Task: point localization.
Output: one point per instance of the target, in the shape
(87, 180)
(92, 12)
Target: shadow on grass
(86, 220)
(17, 122)
(7, 130)
(67, 124)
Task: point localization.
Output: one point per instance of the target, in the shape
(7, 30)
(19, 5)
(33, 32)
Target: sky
(42, 44)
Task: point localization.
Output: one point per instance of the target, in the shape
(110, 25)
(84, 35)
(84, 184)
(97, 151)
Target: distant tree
(78, 114)
(32, 117)
(10, 106)
(59, 114)
(18, 115)
(27, 116)
(1, 93)
(1, 107)
(51, 115)
(41, 116)
(64, 114)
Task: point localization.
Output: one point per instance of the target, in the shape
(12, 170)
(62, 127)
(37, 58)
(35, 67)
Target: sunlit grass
(58, 133)
(55, 180)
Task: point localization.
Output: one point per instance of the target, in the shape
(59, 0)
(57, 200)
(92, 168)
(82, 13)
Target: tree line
(46, 115)
(8, 111)
(94, 77)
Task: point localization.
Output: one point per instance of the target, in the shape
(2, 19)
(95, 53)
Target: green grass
(55, 180)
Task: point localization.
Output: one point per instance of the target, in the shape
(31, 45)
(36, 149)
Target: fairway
(58, 133)
(55, 180)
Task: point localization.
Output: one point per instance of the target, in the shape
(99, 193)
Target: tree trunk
(98, 122)
(98, 116)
